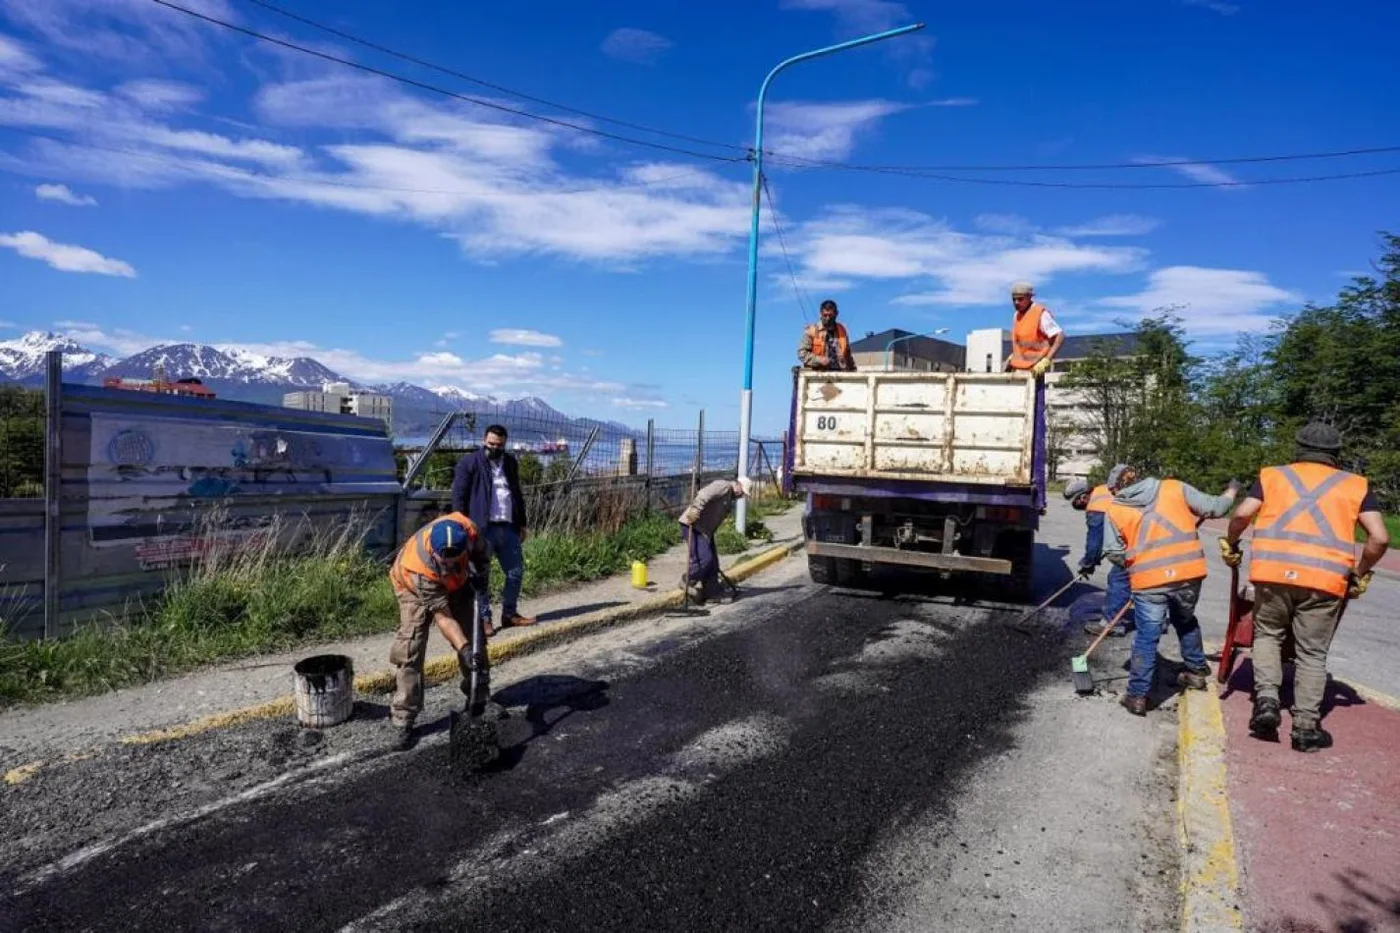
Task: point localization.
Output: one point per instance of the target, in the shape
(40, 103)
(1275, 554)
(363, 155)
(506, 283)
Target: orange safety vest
(818, 335)
(1099, 499)
(1162, 544)
(1028, 345)
(416, 558)
(1304, 534)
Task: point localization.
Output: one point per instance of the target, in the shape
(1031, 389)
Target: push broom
(1079, 664)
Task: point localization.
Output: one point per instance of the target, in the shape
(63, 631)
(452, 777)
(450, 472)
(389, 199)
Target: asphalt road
(804, 759)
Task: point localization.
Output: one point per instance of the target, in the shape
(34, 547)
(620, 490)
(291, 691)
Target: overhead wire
(797, 289)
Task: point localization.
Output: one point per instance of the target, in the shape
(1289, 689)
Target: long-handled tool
(1019, 624)
(1079, 664)
(475, 740)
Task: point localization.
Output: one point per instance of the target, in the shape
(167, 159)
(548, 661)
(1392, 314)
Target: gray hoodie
(1142, 494)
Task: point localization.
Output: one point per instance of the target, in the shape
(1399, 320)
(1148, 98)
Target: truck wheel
(850, 573)
(822, 570)
(1019, 548)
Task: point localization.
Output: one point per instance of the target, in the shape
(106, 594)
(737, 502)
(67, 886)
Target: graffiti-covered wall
(150, 481)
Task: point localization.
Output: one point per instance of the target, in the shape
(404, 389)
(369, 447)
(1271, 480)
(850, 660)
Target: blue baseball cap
(450, 539)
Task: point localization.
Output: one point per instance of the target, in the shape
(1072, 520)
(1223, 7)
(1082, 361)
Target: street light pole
(746, 396)
(890, 345)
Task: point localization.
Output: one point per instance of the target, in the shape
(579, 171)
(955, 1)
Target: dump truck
(933, 471)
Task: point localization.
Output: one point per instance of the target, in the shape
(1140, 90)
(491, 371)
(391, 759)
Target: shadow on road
(542, 696)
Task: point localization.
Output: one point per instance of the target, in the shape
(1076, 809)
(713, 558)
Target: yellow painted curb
(444, 667)
(1210, 882)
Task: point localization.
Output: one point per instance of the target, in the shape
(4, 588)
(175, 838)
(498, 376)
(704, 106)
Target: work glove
(1357, 585)
(1230, 552)
(1041, 366)
(469, 661)
(1087, 568)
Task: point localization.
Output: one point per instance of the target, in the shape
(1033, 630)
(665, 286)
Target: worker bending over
(699, 522)
(1304, 568)
(1094, 503)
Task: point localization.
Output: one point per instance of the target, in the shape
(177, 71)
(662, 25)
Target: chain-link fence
(577, 472)
(21, 443)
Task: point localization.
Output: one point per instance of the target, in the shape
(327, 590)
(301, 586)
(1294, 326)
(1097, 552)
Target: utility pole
(746, 396)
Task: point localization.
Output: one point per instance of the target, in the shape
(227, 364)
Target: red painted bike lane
(1317, 835)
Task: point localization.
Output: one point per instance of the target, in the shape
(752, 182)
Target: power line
(466, 98)
(782, 242)
(241, 174)
(1123, 186)
(791, 159)
(443, 69)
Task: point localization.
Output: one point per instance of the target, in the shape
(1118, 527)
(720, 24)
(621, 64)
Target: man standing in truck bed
(1035, 335)
(826, 345)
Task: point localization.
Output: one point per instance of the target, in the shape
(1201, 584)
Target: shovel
(1079, 664)
(475, 740)
(1020, 624)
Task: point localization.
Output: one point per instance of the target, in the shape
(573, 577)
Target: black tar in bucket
(318, 667)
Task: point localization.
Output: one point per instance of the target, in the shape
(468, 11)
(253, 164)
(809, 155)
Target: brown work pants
(1311, 615)
(410, 649)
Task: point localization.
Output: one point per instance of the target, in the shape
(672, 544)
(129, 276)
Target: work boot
(1266, 717)
(1135, 705)
(404, 738)
(1311, 739)
(517, 620)
(1193, 680)
(1094, 628)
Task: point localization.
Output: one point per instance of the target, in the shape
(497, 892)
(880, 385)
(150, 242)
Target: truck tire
(1019, 548)
(822, 570)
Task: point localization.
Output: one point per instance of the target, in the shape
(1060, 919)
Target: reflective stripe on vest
(416, 558)
(1163, 547)
(1028, 344)
(1303, 534)
(818, 334)
(1099, 499)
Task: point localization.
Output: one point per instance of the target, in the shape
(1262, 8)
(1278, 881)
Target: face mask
(495, 453)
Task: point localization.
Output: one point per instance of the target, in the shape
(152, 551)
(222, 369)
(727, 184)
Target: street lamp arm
(889, 346)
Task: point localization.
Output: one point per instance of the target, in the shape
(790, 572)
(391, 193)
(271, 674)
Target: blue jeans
(1118, 595)
(1153, 610)
(504, 543)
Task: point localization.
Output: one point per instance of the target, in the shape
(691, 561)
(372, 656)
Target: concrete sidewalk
(74, 725)
(1317, 835)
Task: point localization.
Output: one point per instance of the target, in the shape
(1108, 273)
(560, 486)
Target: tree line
(1207, 419)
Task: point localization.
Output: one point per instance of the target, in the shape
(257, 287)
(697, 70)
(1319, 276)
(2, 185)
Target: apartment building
(341, 397)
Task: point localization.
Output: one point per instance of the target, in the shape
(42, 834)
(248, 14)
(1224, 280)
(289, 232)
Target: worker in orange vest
(1035, 334)
(1151, 533)
(826, 345)
(1094, 504)
(431, 577)
(1304, 567)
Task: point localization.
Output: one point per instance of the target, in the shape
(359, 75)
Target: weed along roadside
(251, 602)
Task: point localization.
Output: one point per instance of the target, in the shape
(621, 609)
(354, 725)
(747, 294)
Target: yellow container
(639, 575)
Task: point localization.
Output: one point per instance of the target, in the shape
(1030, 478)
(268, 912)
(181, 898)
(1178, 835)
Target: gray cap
(1022, 288)
(1114, 475)
(1075, 488)
(1319, 436)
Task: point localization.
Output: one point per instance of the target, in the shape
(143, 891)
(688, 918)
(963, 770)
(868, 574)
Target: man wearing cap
(1304, 568)
(699, 522)
(432, 581)
(1094, 503)
(1152, 534)
(826, 345)
(1035, 334)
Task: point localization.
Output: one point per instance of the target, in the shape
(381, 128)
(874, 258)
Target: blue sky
(190, 183)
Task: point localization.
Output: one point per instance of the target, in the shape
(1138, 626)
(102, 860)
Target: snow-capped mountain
(186, 360)
(22, 360)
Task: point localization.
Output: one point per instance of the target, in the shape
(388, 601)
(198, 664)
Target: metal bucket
(325, 690)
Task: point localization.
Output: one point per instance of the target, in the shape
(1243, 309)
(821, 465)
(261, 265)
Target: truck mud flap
(890, 555)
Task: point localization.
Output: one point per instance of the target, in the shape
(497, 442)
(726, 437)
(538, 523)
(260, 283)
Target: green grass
(236, 605)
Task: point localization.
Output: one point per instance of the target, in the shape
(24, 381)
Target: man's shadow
(548, 699)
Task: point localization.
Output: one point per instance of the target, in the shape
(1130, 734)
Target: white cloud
(1112, 225)
(965, 268)
(636, 404)
(635, 45)
(1209, 301)
(124, 31)
(63, 195)
(62, 256)
(1217, 6)
(859, 17)
(953, 102)
(15, 58)
(154, 94)
(822, 130)
(524, 338)
(1196, 171)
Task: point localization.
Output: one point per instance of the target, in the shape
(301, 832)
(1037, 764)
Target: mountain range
(239, 375)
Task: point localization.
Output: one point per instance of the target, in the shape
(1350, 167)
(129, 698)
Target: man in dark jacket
(486, 488)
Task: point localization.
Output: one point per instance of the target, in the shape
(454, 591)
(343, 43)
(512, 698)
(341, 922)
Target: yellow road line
(1210, 883)
(439, 669)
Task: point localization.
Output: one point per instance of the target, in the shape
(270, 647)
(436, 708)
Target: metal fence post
(53, 480)
(699, 466)
(651, 458)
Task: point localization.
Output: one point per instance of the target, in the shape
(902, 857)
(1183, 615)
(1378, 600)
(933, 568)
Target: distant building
(340, 397)
(189, 388)
(904, 351)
